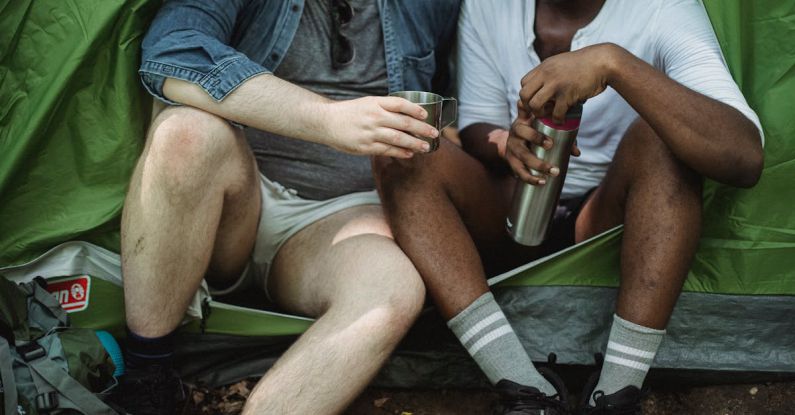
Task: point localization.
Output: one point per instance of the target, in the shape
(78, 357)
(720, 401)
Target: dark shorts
(561, 230)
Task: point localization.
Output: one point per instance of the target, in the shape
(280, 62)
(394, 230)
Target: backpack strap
(57, 380)
(46, 398)
(7, 384)
(37, 290)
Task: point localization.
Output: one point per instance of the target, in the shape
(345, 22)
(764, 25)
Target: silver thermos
(533, 206)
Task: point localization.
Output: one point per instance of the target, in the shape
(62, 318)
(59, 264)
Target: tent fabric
(104, 267)
(707, 331)
(72, 122)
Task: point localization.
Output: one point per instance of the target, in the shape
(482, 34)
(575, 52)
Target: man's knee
(392, 174)
(399, 292)
(419, 172)
(653, 162)
(407, 290)
(643, 144)
(405, 303)
(188, 146)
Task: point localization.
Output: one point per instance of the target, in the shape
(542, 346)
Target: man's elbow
(749, 165)
(753, 171)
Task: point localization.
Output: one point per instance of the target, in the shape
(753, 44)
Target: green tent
(72, 122)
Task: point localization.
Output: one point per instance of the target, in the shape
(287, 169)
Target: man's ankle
(489, 338)
(141, 352)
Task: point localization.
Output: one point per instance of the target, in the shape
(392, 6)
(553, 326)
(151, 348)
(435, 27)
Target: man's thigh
(481, 198)
(603, 210)
(196, 132)
(336, 259)
(641, 154)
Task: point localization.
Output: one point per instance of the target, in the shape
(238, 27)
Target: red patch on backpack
(72, 292)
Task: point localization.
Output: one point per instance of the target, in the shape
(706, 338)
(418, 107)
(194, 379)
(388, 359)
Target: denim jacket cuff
(218, 83)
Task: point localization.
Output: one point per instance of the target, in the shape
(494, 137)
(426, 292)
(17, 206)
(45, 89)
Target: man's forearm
(384, 126)
(264, 102)
(710, 137)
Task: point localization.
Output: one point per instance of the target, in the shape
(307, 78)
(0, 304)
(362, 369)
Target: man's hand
(711, 137)
(380, 126)
(565, 79)
(522, 161)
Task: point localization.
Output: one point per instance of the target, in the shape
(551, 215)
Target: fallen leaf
(378, 403)
(240, 388)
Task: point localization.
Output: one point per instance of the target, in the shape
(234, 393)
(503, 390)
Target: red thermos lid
(572, 121)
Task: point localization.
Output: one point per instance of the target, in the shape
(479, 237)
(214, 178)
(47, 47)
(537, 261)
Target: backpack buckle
(47, 402)
(31, 351)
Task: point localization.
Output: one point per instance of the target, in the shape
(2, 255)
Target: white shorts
(282, 215)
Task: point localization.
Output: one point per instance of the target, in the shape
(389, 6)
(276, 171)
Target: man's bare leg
(659, 201)
(348, 272)
(446, 210)
(193, 203)
(192, 207)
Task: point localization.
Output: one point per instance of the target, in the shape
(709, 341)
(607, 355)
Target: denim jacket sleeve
(189, 40)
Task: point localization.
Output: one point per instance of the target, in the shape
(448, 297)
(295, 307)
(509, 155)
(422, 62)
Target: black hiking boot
(150, 390)
(516, 399)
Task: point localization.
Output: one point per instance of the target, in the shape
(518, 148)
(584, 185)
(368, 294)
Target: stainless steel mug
(441, 111)
(533, 206)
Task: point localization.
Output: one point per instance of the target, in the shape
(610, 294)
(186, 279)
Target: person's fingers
(521, 152)
(381, 149)
(529, 134)
(530, 77)
(521, 171)
(522, 112)
(575, 150)
(538, 102)
(408, 124)
(529, 88)
(522, 129)
(559, 113)
(397, 138)
(402, 105)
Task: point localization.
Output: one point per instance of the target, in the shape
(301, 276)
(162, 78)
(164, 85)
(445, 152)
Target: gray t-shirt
(314, 170)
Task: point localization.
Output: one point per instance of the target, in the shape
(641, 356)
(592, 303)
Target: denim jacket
(218, 44)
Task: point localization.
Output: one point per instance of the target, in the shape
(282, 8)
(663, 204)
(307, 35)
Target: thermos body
(533, 206)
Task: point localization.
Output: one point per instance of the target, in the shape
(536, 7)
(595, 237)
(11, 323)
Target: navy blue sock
(143, 352)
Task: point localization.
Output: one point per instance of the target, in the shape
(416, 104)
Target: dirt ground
(739, 399)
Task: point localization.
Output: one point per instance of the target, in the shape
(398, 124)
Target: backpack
(47, 367)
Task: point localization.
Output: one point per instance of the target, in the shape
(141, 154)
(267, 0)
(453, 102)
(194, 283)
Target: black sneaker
(151, 390)
(516, 399)
(624, 402)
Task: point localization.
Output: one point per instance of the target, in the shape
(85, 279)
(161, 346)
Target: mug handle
(449, 111)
